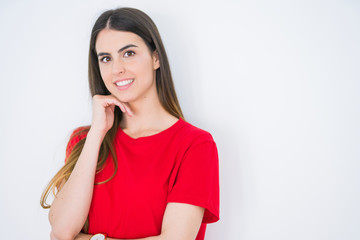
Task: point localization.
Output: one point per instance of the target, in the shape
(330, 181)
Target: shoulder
(194, 135)
(79, 133)
(76, 136)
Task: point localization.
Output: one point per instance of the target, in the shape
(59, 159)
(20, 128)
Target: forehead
(109, 39)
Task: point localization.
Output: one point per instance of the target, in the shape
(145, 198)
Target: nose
(118, 67)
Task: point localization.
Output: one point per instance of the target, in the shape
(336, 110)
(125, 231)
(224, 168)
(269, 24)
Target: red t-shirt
(179, 164)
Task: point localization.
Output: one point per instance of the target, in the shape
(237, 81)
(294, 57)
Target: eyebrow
(120, 50)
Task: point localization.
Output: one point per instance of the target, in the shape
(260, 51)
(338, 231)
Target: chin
(125, 99)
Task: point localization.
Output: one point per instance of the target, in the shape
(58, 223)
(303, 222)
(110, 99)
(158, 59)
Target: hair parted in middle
(135, 21)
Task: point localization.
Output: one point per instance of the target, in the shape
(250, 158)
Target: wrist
(97, 133)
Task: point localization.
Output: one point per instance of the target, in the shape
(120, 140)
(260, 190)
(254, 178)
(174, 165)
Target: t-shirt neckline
(170, 129)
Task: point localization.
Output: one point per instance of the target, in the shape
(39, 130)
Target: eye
(129, 53)
(104, 59)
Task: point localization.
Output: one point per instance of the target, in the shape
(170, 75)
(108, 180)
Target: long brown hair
(121, 19)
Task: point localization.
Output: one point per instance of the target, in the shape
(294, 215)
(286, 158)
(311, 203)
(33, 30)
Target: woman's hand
(103, 112)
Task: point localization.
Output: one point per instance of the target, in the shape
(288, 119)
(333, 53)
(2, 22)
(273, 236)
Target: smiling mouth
(124, 83)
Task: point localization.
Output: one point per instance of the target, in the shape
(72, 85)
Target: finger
(112, 107)
(128, 110)
(123, 106)
(113, 101)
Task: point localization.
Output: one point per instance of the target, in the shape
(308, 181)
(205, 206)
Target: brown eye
(129, 53)
(105, 59)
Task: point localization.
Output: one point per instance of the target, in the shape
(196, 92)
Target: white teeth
(123, 83)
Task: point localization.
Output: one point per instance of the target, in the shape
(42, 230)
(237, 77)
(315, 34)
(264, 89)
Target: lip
(126, 86)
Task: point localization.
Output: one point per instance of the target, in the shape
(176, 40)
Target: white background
(277, 83)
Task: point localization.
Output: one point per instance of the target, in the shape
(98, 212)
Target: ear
(156, 61)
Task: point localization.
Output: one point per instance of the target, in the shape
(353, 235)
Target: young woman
(139, 171)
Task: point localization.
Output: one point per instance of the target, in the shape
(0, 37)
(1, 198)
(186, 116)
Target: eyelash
(131, 52)
(102, 59)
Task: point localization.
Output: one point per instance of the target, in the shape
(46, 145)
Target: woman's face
(127, 66)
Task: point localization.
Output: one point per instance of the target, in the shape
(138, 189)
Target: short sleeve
(78, 134)
(197, 179)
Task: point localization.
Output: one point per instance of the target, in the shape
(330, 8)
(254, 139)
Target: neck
(148, 113)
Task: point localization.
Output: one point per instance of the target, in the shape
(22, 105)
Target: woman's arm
(71, 205)
(181, 222)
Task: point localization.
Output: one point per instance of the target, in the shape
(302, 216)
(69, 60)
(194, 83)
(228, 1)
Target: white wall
(277, 83)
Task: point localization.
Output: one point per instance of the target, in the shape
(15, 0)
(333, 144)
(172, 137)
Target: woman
(139, 171)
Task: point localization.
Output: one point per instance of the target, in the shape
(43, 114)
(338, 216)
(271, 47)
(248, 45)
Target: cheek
(105, 73)
(142, 68)
(106, 77)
